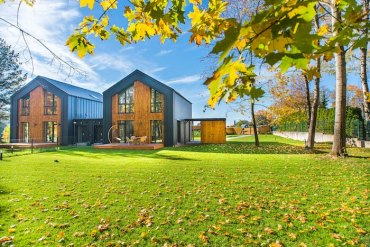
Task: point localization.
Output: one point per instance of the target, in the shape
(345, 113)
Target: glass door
(125, 129)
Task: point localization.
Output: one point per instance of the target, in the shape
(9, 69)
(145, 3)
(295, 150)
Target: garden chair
(143, 139)
(129, 141)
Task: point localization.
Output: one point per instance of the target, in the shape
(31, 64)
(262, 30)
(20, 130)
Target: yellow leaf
(105, 20)
(60, 235)
(11, 230)
(323, 30)
(195, 1)
(89, 3)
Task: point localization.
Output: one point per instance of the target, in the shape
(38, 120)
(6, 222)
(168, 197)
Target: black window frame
(54, 132)
(50, 109)
(153, 134)
(25, 105)
(155, 105)
(27, 125)
(127, 126)
(124, 107)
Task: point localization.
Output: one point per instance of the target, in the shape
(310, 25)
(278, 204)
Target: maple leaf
(89, 3)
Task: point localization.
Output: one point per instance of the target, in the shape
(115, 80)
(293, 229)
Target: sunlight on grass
(232, 194)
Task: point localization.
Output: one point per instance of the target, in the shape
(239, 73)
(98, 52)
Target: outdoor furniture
(117, 139)
(143, 139)
(129, 141)
(135, 140)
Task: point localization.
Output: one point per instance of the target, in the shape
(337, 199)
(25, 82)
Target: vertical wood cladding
(36, 118)
(213, 132)
(142, 115)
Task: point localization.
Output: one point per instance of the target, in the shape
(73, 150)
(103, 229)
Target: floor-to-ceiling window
(156, 99)
(25, 132)
(50, 104)
(50, 132)
(156, 131)
(126, 101)
(125, 129)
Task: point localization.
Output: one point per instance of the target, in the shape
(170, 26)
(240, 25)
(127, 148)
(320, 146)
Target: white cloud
(185, 79)
(163, 52)
(51, 22)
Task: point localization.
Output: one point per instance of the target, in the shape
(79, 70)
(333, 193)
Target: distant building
(46, 110)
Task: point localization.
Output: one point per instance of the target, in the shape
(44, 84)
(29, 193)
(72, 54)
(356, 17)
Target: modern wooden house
(47, 110)
(139, 105)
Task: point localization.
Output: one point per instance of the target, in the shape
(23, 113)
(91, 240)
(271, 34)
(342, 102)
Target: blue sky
(180, 65)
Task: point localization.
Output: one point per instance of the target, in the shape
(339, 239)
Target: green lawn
(223, 195)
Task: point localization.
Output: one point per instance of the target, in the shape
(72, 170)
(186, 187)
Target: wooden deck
(129, 146)
(28, 145)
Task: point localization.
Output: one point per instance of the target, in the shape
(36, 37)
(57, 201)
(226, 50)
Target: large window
(50, 104)
(156, 131)
(26, 105)
(156, 99)
(126, 101)
(25, 132)
(125, 129)
(50, 132)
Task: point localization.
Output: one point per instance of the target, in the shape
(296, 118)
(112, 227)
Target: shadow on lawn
(103, 154)
(235, 147)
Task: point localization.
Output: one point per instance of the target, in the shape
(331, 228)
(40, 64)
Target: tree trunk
(363, 53)
(256, 140)
(313, 117)
(315, 106)
(308, 99)
(339, 142)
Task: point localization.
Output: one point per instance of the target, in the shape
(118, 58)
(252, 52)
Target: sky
(181, 65)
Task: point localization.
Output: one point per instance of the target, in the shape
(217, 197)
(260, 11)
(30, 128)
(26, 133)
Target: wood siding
(141, 116)
(213, 132)
(36, 118)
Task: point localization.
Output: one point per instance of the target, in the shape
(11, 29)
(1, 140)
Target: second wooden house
(50, 111)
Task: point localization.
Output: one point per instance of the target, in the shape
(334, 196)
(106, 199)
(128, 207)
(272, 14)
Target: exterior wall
(142, 115)
(150, 82)
(36, 118)
(182, 110)
(302, 136)
(213, 132)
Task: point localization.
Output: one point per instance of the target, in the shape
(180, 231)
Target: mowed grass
(220, 195)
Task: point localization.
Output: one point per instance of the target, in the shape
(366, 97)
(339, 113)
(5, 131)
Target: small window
(50, 104)
(50, 131)
(126, 101)
(156, 131)
(156, 99)
(26, 105)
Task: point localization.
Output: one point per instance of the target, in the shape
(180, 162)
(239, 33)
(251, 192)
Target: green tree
(11, 77)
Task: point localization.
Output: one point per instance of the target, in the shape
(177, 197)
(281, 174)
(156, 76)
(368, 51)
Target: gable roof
(74, 90)
(137, 75)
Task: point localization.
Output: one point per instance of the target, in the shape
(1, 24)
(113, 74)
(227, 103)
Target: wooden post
(32, 146)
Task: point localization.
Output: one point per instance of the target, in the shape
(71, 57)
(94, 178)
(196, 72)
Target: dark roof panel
(74, 90)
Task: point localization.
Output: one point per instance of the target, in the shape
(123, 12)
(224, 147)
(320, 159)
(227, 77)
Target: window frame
(126, 129)
(25, 108)
(154, 108)
(128, 108)
(53, 105)
(54, 132)
(154, 140)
